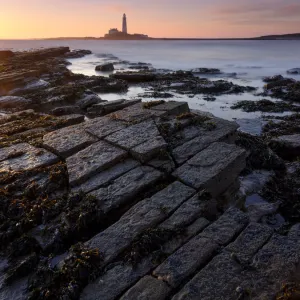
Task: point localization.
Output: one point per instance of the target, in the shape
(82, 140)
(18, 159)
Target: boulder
(295, 71)
(88, 100)
(286, 146)
(6, 54)
(105, 67)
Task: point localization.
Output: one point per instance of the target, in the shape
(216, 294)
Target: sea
(244, 62)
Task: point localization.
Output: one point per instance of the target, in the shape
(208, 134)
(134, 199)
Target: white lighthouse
(124, 27)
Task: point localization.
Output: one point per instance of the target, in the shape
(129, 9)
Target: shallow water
(250, 61)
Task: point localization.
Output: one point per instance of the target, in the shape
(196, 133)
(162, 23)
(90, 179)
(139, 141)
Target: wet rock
(27, 158)
(88, 100)
(66, 110)
(206, 71)
(148, 288)
(156, 95)
(110, 106)
(106, 176)
(295, 71)
(126, 187)
(105, 68)
(134, 135)
(185, 261)
(103, 126)
(143, 215)
(219, 278)
(77, 53)
(4, 54)
(231, 223)
(213, 169)
(92, 160)
(265, 106)
(70, 120)
(273, 78)
(287, 146)
(149, 149)
(135, 76)
(250, 241)
(223, 131)
(67, 141)
(173, 108)
(14, 102)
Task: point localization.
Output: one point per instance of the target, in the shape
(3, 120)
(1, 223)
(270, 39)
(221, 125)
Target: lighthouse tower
(124, 28)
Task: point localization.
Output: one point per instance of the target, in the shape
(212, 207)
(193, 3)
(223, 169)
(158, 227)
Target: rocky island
(141, 200)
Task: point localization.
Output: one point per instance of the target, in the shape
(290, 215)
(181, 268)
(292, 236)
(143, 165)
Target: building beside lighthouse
(115, 34)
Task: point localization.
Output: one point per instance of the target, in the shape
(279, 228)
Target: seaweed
(150, 104)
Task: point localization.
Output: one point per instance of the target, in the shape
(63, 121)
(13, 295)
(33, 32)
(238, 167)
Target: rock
(103, 126)
(148, 288)
(134, 135)
(88, 100)
(149, 149)
(14, 102)
(126, 187)
(273, 78)
(295, 71)
(92, 160)
(206, 71)
(110, 106)
(214, 169)
(77, 53)
(106, 176)
(218, 280)
(278, 258)
(163, 163)
(231, 223)
(223, 131)
(4, 54)
(173, 108)
(286, 146)
(143, 215)
(185, 261)
(23, 157)
(250, 241)
(70, 120)
(105, 68)
(66, 110)
(135, 76)
(191, 210)
(67, 141)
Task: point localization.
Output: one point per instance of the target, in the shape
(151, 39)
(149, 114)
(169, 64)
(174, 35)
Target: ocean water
(249, 61)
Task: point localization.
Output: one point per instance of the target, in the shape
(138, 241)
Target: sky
(24, 19)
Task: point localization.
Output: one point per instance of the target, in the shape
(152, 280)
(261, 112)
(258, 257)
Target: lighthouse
(124, 28)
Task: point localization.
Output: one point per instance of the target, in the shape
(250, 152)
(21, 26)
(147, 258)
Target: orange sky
(157, 18)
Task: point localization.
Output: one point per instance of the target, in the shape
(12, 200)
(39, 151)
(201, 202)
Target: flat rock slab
(223, 131)
(172, 108)
(103, 126)
(126, 187)
(24, 157)
(143, 215)
(148, 288)
(14, 102)
(185, 261)
(250, 241)
(134, 135)
(105, 177)
(218, 280)
(149, 149)
(92, 160)
(133, 114)
(67, 141)
(213, 169)
(231, 223)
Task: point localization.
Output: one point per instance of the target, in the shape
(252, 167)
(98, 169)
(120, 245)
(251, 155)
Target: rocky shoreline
(142, 200)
